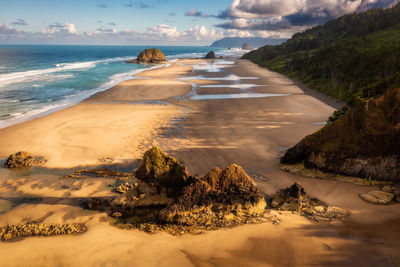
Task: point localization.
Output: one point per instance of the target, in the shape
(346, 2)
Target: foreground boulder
(164, 192)
(150, 55)
(295, 199)
(164, 171)
(210, 55)
(23, 159)
(363, 143)
(377, 197)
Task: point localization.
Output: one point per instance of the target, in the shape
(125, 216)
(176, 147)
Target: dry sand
(250, 132)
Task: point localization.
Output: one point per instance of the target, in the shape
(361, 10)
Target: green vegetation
(354, 56)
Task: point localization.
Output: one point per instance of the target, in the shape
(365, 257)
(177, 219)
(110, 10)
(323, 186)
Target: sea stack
(246, 46)
(210, 55)
(149, 55)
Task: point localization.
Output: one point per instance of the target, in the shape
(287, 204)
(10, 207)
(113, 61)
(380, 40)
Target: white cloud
(289, 16)
(68, 33)
(60, 28)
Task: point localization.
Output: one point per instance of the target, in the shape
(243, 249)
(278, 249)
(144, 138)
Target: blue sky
(164, 21)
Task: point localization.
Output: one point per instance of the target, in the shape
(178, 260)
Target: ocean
(36, 80)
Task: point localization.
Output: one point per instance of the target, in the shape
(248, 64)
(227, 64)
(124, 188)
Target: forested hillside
(356, 55)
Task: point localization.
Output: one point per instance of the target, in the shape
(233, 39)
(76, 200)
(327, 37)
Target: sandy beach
(237, 113)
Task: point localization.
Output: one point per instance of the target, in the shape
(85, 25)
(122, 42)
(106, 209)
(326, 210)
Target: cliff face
(365, 142)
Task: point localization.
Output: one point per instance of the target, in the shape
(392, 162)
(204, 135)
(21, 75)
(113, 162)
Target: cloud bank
(289, 16)
(68, 33)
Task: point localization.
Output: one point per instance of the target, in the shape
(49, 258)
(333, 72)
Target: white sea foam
(28, 76)
(19, 117)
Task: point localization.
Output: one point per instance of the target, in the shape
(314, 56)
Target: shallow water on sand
(234, 96)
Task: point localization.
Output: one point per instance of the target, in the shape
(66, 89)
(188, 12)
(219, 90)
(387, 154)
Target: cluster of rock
(39, 229)
(164, 192)
(23, 159)
(362, 143)
(295, 199)
(387, 195)
(150, 55)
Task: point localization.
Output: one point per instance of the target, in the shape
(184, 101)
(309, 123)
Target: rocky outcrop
(23, 159)
(164, 192)
(164, 171)
(246, 46)
(39, 229)
(150, 55)
(295, 199)
(210, 55)
(363, 143)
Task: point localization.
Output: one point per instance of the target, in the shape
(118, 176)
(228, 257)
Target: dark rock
(164, 171)
(295, 199)
(166, 193)
(362, 143)
(246, 46)
(23, 159)
(210, 55)
(150, 55)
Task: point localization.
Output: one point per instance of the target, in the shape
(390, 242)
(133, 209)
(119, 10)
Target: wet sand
(250, 132)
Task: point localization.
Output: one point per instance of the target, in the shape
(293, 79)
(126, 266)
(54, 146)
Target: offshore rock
(246, 46)
(23, 159)
(210, 55)
(149, 55)
(295, 199)
(363, 143)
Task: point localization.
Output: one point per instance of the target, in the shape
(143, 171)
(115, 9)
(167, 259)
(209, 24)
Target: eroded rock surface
(23, 159)
(295, 199)
(378, 197)
(39, 229)
(150, 55)
(164, 192)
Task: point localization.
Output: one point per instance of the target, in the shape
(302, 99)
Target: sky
(164, 22)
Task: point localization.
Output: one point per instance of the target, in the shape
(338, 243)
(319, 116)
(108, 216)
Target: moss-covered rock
(164, 171)
(23, 159)
(149, 55)
(165, 193)
(363, 143)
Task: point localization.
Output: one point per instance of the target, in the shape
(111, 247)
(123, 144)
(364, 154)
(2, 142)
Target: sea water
(39, 79)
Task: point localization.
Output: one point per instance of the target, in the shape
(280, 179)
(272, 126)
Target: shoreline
(247, 131)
